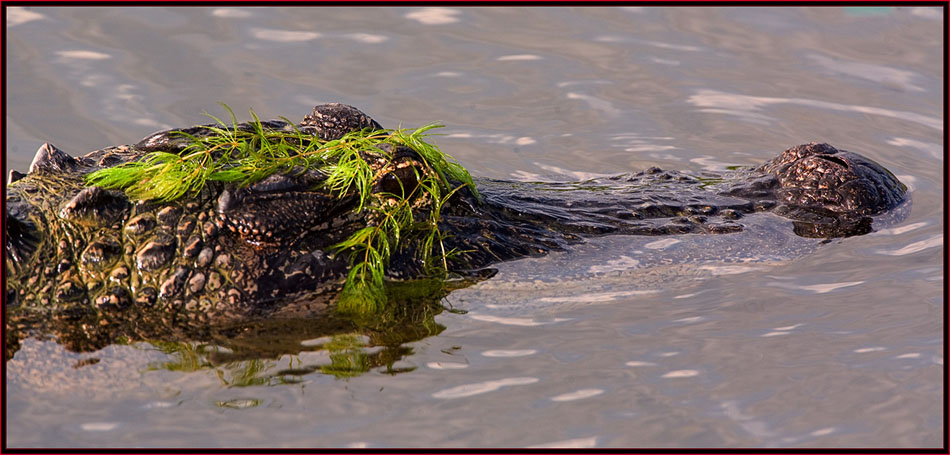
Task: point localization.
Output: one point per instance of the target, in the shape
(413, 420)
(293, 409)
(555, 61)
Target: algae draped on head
(352, 165)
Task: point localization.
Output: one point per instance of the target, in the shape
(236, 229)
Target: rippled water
(620, 342)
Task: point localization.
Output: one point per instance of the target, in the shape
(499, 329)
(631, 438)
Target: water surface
(620, 342)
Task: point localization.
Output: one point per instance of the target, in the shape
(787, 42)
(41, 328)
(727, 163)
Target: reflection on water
(353, 348)
(434, 16)
(624, 342)
(891, 77)
(18, 15)
(714, 101)
(468, 390)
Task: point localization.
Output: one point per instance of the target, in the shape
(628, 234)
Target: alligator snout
(821, 176)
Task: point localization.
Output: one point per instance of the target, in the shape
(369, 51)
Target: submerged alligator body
(264, 250)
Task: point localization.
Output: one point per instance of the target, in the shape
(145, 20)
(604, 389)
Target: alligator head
(829, 192)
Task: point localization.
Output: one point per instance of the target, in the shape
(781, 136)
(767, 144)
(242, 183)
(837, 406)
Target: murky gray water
(621, 342)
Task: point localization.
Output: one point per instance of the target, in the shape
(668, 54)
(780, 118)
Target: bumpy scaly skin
(233, 253)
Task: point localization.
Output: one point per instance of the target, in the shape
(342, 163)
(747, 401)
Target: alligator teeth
(49, 158)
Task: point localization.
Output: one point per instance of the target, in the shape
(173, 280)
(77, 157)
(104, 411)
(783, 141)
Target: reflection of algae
(238, 359)
(187, 357)
(350, 357)
(262, 352)
(242, 374)
(347, 358)
(191, 357)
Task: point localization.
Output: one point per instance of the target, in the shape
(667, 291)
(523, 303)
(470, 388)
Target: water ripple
(716, 101)
(523, 322)
(99, 426)
(613, 265)
(283, 36)
(83, 55)
(681, 374)
(576, 175)
(595, 103)
(509, 352)
(495, 138)
(598, 297)
(434, 16)
(231, 13)
(658, 44)
(579, 443)
(927, 12)
(902, 229)
(367, 38)
(875, 73)
(17, 15)
(446, 365)
(934, 150)
(518, 58)
(934, 241)
(661, 244)
(727, 269)
(578, 395)
(479, 388)
(816, 288)
(909, 355)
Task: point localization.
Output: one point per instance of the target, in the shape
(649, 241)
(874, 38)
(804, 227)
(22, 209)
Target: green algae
(351, 165)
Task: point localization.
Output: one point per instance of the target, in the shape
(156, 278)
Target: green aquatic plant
(352, 165)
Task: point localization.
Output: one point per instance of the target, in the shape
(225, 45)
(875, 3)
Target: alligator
(235, 252)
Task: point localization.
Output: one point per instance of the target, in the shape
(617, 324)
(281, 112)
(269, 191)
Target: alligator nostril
(833, 159)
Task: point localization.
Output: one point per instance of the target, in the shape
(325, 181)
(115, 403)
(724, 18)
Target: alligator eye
(401, 181)
(833, 159)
